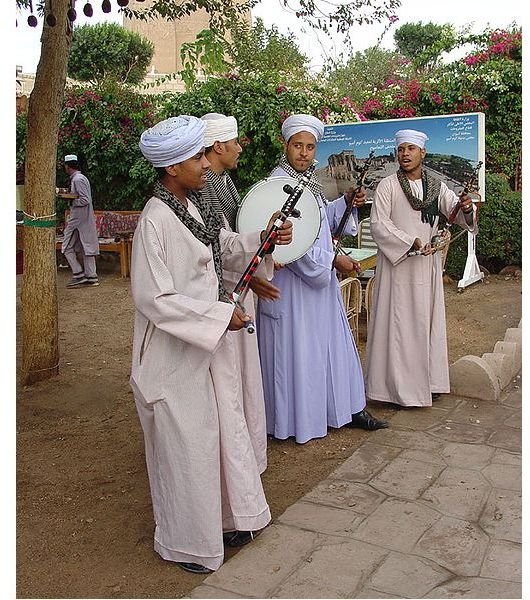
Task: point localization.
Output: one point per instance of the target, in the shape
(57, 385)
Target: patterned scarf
(431, 192)
(222, 194)
(314, 185)
(207, 233)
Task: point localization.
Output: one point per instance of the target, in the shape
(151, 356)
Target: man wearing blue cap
(406, 354)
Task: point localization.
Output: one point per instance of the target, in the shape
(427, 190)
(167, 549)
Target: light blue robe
(312, 374)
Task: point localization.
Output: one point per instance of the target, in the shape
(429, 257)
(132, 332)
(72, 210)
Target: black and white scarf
(431, 192)
(314, 184)
(207, 233)
(222, 194)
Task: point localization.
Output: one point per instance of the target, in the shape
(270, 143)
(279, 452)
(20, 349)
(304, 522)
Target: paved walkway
(430, 508)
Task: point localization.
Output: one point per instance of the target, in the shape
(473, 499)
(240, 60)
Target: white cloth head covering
(418, 138)
(173, 141)
(296, 123)
(219, 128)
(70, 157)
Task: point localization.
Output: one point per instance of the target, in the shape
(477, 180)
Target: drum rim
(290, 180)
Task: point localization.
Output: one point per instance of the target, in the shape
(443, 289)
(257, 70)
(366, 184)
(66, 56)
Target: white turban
(173, 141)
(418, 138)
(296, 123)
(70, 157)
(219, 128)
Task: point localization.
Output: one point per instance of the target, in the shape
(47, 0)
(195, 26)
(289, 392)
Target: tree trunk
(40, 342)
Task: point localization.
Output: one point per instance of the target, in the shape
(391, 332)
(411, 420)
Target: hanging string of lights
(88, 11)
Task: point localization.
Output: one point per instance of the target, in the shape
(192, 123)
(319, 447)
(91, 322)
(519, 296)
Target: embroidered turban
(219, 128)
(297, 123)
(418, 138)
(173, 141)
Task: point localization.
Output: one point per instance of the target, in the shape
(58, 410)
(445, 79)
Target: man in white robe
(223, 151)
(185, 378)
(406, 359)
(80, 234)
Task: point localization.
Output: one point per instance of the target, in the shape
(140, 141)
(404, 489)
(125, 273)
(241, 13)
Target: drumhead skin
(266, 197)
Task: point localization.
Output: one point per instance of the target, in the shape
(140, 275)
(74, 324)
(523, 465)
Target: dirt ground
(84, 519)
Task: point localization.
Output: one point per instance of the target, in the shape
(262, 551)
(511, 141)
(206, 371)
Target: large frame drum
(268, 196)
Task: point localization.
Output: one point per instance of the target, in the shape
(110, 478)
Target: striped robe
(221, 192)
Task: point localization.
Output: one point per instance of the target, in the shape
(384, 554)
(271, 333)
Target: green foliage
(249, 51)
(340, 16)
(259, 49)
(103, 126)
(108, 51)
(260, 104)
(364, 74)
(21, 132)
(499, 241)
(206, 53)
(424, 44)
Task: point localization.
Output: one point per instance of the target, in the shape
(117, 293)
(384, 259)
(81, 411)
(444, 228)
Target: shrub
(499, 240)
(103, 126)
(260, 105)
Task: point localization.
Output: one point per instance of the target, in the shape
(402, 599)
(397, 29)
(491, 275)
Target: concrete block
(473, 377)
(507, 477)
(476, 587)
(514, 334)
(503, 561)
(502, 516)
(408, 576)
(502, 365)
(509, 348)
(277, 551)
(404, 478)
(455, 544)
(397, 525)
(333, 570)
(460, 493)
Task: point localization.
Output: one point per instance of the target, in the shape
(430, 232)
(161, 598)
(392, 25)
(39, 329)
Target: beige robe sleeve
(393, 242)
(197, 322)
(238, 249)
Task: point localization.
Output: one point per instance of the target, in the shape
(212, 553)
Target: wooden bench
(115, 230)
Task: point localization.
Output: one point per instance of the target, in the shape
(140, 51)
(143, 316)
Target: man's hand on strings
(355, 195)
(264, 289)
(424, 249)
(284, 234)
(238, 320)
(344, 264)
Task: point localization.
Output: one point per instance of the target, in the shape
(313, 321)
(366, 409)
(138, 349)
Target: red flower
(436, 98)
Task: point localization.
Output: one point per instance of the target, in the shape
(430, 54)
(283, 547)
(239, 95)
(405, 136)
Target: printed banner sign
(454, 148)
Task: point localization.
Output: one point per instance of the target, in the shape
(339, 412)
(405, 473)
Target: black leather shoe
(435, 397)
(364, 420)
(194, 568)
(235, 539)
